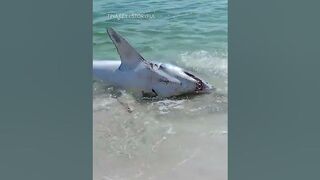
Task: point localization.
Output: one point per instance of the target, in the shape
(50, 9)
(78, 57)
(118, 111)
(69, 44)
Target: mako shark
(150, 79)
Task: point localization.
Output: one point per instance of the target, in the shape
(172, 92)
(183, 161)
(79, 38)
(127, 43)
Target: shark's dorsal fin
(130, 58)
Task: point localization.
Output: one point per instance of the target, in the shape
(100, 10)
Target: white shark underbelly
(109, 72)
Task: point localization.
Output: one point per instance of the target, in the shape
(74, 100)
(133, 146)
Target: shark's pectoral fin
(130, 58)
(149, 94)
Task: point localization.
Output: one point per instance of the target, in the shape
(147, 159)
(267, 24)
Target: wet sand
(167, 139)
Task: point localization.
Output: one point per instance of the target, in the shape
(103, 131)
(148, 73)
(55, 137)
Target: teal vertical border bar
(274, 90)
(45, 93)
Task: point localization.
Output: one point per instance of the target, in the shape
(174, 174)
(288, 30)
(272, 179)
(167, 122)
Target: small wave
(203, 61)
(165, 106)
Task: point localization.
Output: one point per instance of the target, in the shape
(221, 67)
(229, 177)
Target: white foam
(203, 61)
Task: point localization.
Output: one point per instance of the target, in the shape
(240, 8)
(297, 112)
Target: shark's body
(133, 72)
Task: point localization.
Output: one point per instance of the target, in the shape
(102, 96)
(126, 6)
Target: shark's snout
(201, 86)
(207, 88)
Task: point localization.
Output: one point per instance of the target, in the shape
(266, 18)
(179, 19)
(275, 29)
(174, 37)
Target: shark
(147, 78)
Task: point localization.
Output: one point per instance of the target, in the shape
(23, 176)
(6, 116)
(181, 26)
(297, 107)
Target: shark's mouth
(200, 85)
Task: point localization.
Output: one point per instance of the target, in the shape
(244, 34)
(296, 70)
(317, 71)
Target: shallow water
(177, 138)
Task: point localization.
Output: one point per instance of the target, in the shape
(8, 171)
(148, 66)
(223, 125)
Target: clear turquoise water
(174, 27)
(171, 138)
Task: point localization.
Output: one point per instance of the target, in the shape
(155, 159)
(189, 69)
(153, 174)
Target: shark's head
(164, 79)
(182, 80)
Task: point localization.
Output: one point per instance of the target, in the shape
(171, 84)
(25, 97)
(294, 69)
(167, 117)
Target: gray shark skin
(136, 74)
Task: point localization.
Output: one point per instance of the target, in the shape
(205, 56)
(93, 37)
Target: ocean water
(179, 138)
